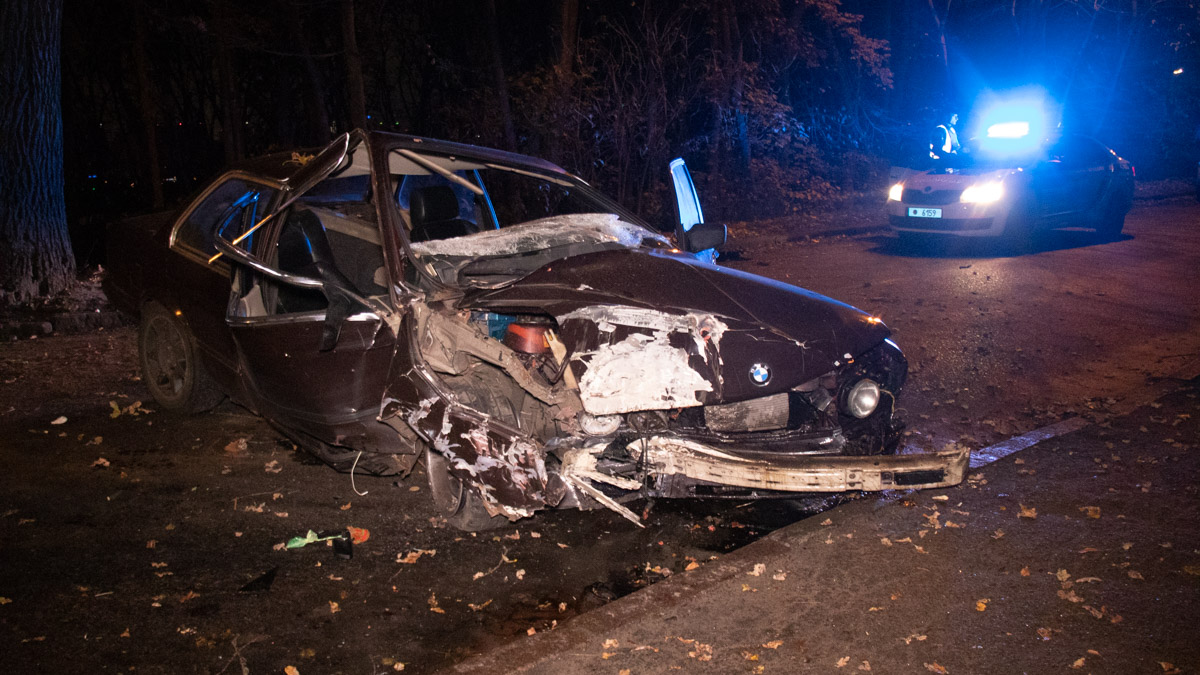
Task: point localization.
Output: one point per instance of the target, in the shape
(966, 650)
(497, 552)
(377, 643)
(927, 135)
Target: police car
(1006, 183)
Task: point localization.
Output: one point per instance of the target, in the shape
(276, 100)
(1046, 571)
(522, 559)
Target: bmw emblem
(760, 374)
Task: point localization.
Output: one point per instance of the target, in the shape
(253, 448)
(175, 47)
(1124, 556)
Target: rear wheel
(483, 388)
(171, 366)
(1111, 222)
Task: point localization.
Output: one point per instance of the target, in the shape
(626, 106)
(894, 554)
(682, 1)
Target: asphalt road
(127, 540)
(1001, 343)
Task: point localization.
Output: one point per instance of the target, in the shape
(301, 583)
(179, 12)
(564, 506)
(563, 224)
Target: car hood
(960, 179)
(675, 283)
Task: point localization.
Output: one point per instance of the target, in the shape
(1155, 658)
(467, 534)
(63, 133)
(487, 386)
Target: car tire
(1019, 227)
(171, 365)
(461, 504)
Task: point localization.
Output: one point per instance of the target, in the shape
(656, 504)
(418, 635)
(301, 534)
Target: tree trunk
(148, 106)
(499, 79)
(353, 64)
(317, 131)
(564, 75)
(35, 252)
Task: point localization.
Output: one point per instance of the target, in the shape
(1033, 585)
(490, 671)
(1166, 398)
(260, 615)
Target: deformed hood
(821, 330)
(680, 284)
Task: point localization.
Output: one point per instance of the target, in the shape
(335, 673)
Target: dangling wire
(352, 467)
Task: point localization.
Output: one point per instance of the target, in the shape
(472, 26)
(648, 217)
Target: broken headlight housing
(862, 399)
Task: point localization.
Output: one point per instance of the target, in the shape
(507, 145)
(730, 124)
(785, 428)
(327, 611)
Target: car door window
(330, 233)
(230, 209)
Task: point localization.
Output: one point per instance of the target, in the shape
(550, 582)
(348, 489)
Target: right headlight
(983, 193)
(862, 399)
(896, 192)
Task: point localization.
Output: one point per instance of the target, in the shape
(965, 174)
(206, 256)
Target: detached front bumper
(678, 458)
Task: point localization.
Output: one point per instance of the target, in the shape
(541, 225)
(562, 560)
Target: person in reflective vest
(944, 140)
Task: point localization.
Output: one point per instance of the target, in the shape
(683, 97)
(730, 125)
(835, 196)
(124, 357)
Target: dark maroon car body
(390, 298)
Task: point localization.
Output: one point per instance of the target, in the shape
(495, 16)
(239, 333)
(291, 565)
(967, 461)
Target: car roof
(280, 166)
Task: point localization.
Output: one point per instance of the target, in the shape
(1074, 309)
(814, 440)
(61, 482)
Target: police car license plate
(914, 212)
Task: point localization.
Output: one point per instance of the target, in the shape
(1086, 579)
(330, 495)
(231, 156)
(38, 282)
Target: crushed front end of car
(559, 353)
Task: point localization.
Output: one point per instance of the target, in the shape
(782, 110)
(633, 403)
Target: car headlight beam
(983, 193)
(896, 192)
(863, 398)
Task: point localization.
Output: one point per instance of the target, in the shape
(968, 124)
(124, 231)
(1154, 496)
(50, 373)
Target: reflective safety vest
(949, 141)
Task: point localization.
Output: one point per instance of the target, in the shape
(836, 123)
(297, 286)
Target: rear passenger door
(198, 289)
(317, 359)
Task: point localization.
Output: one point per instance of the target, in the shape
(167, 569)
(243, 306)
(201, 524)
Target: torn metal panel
(507, 466)
(675, 456)
(628, 359)
(537, 235)
(579, 469)
(641, 372)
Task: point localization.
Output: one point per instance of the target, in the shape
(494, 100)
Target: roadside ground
(1079, 554)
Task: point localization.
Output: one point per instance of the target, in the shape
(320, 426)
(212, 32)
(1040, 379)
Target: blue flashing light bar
(1008, 130)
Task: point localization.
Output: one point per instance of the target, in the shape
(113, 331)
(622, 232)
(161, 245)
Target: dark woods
(778, 105)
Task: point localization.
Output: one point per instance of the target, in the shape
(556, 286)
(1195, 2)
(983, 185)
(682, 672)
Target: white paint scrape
(537, 235)
(641, 372)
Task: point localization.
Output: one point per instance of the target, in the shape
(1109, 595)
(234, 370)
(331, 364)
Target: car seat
(434, 214)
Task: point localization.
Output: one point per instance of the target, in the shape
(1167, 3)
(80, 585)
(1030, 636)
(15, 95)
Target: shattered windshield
(480, 223)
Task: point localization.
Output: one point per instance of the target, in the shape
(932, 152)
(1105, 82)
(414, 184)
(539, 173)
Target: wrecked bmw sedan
(393, 298)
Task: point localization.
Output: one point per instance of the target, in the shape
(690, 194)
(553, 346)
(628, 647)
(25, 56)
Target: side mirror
(704, 236)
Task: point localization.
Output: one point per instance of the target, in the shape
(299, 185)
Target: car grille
(941, 224)
(921, 198)
(760, 414)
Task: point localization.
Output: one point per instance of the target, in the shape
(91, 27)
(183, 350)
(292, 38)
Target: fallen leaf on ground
(334, 608)
(272, 466)
(413, 556)
(1025, 571)
(433, 604)
(692, 566)
(528, 631)
(1091, 511)
(1062, 575)
(291, 670)
(866, 666)
(476, 608)
(610, 643)
(101, 463)
(1027, 512)
(358, 535)
(59, 420)
(936, 667)
(1134, 574)
(1070, 595)
(345, 507)
(191, 595)
(1169, 668)
(1045, 633)
(773, 644)
(759, 568)
(1078, 663)
(520, 574)
(981, 605)
(919, 638)
(236, 445)
(780, 576)
(749, 656)
(828, 521)
(842, 662)
(5, 601)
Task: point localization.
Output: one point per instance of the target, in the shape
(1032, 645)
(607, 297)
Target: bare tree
(35, 252)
